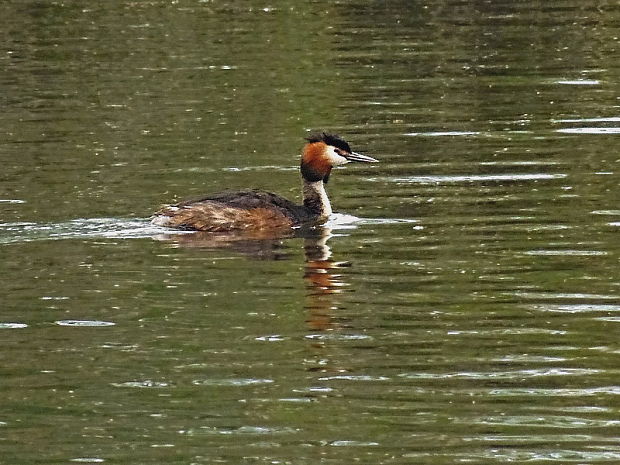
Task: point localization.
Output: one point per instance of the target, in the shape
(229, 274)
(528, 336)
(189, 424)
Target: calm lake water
(463, 307)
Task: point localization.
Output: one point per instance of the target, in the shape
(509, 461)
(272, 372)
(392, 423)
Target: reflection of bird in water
(259, 245)
(320, 271)
(254, 210)
(322, 280)
(324, 284)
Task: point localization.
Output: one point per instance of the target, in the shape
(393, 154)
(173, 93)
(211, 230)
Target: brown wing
(216, 217)
(233, 211)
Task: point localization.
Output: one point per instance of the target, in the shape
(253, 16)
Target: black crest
(330, 139)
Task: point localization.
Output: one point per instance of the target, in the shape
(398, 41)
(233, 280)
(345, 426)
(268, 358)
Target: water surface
(462, 308)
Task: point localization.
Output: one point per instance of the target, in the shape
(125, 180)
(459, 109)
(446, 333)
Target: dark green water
(468, 315)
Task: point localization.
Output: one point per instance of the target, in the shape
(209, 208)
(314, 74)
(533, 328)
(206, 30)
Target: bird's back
(234, 211)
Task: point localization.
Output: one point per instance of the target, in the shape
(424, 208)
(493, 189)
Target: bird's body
(234, 211)
(250, 210)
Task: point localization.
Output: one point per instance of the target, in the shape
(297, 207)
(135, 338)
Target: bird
(258, 210)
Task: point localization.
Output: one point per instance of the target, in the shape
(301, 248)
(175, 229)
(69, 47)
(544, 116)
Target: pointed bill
(354, 156)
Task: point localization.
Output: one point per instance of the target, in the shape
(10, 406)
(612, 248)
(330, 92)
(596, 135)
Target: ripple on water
(338, 337)
(589, 130)
(579, 82)
(524, 439)
(505, 331)
(87, 460)
(147, 383)
(339, 221)
(506, 374)
(565, 252)
(84, 323)
(111, 228)
(267, 168)
(556, 392)
(504, 455)
(443, 133)
(558, 421)
(270, 338)
(235, 382)
(472, 178)
(345, 443)
(575, 308)
(241, 430)
(562, 295)
(354, 378)
(13, 325)
(610, 119)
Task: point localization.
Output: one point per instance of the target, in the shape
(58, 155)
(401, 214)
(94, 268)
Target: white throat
(315, 198)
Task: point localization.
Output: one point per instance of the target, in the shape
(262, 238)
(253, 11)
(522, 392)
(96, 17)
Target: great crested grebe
(249, 210)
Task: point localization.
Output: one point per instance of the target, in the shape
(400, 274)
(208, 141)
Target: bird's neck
(315, 198)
